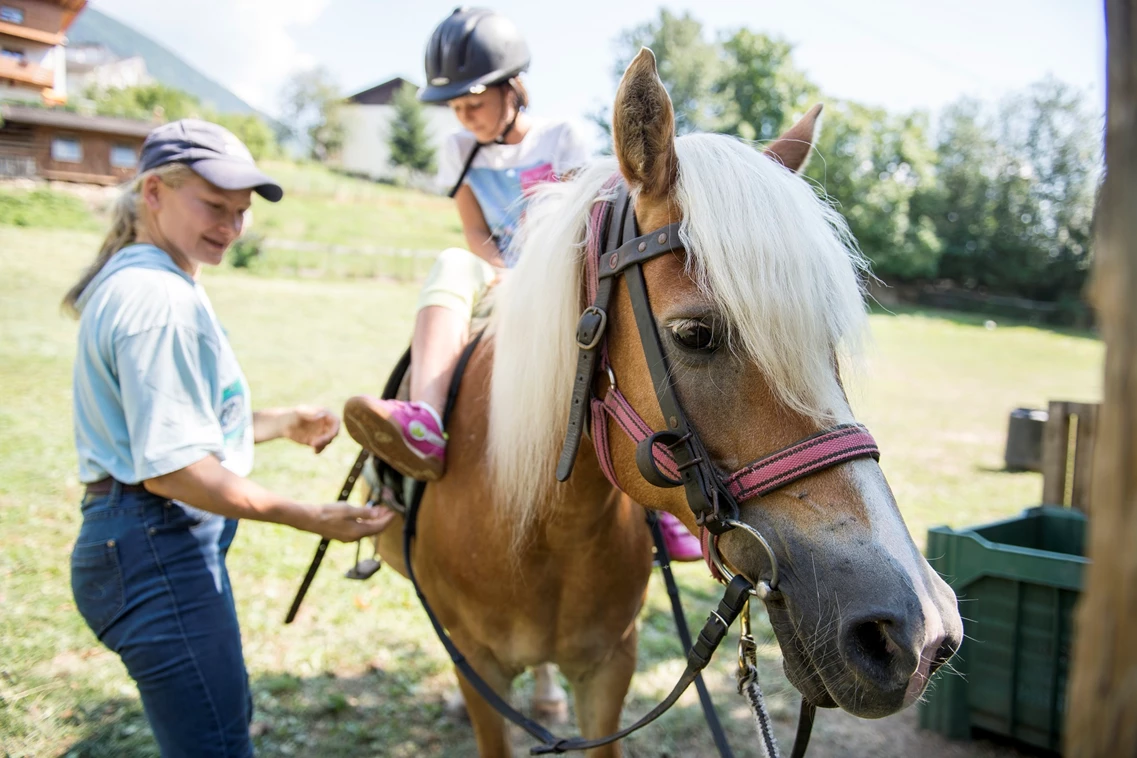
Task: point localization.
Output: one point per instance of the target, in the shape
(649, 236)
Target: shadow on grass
(339, 717)
(110, 729)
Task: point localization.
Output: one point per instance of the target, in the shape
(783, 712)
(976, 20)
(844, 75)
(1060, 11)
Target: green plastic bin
(1017, 581)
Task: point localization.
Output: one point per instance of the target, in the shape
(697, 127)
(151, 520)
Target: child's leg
(409, 436)
(440, 335)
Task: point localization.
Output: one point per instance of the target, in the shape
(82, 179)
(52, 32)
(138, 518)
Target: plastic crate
(1018, 581)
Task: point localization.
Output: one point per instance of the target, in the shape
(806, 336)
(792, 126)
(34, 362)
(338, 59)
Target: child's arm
(476, 229)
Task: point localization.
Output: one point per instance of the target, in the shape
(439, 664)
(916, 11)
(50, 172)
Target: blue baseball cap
(213, 152)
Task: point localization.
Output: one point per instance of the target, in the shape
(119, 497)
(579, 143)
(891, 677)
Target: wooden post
(1080, 497)
(1102, 698)
(1055, 446)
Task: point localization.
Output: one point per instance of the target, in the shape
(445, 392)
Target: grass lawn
(360, 673)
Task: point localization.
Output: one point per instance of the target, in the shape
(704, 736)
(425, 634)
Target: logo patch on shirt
(233, 415)
(530, 178)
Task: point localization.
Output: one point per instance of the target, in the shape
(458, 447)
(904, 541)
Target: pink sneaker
(408, 436)
(681, 544)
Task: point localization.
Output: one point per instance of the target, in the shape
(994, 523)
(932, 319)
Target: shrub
(41, 207)
(245, 250)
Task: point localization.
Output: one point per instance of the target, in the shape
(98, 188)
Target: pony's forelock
(774, 257)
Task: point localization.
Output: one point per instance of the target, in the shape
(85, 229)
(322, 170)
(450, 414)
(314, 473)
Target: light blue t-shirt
(156, 384)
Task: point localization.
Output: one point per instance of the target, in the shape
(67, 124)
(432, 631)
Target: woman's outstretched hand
(312, 426)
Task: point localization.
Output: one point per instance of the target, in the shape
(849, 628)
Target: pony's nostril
(879, 648)
(944, 652)
(873, 642)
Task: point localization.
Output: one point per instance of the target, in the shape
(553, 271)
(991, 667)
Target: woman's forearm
(211, 487)
(272, 423)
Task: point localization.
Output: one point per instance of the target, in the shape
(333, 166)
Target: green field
(359, 673)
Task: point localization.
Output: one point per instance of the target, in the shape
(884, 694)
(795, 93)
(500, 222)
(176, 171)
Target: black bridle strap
(706, 496)
(590, 333)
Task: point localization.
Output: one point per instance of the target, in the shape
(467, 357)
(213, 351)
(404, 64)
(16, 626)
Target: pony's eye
(695, 335)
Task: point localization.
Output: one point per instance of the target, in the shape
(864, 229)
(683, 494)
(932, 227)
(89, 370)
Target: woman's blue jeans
(149, 578)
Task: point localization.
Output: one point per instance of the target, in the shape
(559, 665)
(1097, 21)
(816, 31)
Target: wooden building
(64, 146)
(33, 63)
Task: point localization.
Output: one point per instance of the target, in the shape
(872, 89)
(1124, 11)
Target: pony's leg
(489, 726)
(599, 691)
(550, 701)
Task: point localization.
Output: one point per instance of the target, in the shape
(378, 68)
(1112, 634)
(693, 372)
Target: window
(123, 156)
(11, 15)
(16, 55)
(66, 150)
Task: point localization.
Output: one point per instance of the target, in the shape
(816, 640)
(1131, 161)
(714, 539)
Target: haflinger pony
(523, 570)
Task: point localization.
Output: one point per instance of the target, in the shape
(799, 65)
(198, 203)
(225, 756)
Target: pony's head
(753, 313)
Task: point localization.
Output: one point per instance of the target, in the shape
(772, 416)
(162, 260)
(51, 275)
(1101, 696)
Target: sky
(900, 54)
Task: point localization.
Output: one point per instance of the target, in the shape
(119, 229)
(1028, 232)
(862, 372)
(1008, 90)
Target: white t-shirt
(501, 176)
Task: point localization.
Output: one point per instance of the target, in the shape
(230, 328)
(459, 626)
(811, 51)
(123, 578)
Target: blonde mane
(776, 259)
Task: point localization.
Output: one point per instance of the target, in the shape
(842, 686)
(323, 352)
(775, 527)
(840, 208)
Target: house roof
(383, 94)
(22, 114)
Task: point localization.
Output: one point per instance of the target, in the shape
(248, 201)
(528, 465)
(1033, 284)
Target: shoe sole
(376, 432)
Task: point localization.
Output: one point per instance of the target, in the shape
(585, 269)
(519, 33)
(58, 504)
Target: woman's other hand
(348, 523)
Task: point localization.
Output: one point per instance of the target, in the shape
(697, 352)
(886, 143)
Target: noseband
(674, 457)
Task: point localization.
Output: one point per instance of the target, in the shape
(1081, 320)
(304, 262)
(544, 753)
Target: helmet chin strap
(500, 139)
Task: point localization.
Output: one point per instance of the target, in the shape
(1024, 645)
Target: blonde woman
(164, 430)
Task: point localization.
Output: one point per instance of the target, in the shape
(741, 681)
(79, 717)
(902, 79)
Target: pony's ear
(792, 148)
(643, 129)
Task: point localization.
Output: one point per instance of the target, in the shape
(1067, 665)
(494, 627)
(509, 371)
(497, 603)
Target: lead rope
(749, 688)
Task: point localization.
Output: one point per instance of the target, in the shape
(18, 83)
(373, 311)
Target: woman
(165, 432)
(473, 62)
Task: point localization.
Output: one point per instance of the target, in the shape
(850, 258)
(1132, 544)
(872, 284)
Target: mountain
(97, 28)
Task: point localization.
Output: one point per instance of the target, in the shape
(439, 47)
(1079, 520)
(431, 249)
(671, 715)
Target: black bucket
(1024, 439)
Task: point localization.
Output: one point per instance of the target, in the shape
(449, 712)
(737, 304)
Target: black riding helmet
(473, 49)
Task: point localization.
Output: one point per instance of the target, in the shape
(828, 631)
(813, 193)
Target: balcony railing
(25, 73)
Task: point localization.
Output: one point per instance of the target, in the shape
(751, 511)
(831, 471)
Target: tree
(759, 89)
(688, 65)
(966, 173)
(878, 167)
(310, 108)
(410, 141)
(1017, 190)
(148, 102)
(251, 129)
(159, 103)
